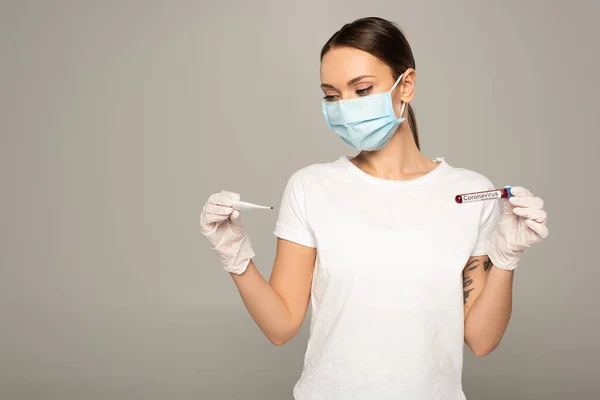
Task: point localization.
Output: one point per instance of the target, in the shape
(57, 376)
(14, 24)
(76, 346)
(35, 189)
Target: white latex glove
(222, 226)
(523, 223)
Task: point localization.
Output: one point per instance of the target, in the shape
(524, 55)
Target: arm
(279, 306)
(488, 279)
(488, 304)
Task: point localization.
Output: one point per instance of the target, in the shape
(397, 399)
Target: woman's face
(348, 73)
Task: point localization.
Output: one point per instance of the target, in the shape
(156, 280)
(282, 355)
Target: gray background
(119, 118)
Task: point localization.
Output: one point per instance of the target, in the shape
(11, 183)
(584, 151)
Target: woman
(399, 274)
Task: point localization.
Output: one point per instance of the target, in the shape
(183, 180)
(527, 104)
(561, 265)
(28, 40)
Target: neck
(400, 159)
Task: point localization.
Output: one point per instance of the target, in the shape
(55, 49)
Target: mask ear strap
(402, 109)
(396, 84)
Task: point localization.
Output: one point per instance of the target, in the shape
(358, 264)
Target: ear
(409, 80)
(406, 87)
(405, 91)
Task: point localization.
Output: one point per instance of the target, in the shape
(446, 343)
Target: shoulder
(315, 173)
(472, 178)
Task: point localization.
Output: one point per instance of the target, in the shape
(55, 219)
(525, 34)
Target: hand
(523, 223)
(222, 226)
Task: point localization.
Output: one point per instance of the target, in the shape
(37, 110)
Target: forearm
(265, 305)
(489, 316)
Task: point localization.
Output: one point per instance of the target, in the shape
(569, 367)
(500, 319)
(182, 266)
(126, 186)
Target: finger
(206, 226)
(221, 199)
(218, 209)
(214, 218)
(212, 213)
(520, 191)
(232, 195)
(507, 209)
(531, 213)
(527, 202)
(541, 229)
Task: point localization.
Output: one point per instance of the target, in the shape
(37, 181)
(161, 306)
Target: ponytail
(412, 122)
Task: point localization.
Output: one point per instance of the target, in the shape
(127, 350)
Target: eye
(330, 97)
(365, 91)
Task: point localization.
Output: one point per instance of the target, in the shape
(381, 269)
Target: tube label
(494, 194)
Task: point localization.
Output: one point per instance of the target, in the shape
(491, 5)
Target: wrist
(237, 261)
(506, 260)
(239, 268)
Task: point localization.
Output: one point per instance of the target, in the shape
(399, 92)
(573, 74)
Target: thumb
(236, 218)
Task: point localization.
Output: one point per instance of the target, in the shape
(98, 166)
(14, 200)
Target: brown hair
(384, 40)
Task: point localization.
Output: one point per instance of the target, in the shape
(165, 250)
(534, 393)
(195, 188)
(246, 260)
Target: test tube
(485, 195)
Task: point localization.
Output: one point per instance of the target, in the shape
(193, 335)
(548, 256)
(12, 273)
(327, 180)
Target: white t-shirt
(387, 296)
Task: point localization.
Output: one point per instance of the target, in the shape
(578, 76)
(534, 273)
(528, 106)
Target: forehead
(341, 64)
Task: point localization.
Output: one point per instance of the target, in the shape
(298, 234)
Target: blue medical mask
(365, 123)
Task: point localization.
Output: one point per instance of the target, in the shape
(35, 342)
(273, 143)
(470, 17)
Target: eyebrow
(350, 82)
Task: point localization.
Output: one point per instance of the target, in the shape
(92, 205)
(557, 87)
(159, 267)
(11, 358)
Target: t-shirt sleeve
(292, 222)
(489, 218)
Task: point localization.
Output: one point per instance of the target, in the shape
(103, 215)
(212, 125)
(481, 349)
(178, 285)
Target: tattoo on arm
(487, 264)
(473, 264)
(466, 295)
(466, 282)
